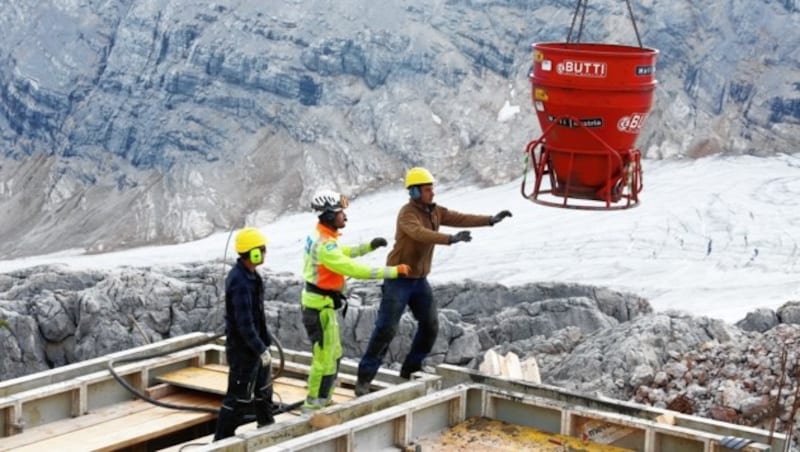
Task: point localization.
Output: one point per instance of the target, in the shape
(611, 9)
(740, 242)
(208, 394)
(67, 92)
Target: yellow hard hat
(418, 176)
(249, 238)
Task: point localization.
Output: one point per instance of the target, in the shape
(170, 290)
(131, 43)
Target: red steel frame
(631, 182)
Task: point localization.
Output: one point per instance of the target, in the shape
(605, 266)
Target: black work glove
(461, 236)
(377, 242)
(499, 217)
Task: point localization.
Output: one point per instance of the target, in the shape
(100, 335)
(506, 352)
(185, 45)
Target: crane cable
(581, 8)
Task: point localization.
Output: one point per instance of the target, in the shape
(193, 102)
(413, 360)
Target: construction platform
(82, 407)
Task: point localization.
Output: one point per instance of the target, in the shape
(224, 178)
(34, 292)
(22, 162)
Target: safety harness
(339, 299)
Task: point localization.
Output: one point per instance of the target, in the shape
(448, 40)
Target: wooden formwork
(432, 411)
(75, 390)
(454, 375)
(544, 423)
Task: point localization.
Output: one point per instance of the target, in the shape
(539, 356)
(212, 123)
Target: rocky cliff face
(146, 122)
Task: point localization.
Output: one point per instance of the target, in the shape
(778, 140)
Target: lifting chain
(580, 8)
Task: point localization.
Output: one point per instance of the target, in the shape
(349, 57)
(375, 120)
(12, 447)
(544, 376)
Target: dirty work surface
(477, 433)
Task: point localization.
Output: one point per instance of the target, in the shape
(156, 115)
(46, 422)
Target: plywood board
(131, 429)
(197, 378)
(61, 427)
(214, 379)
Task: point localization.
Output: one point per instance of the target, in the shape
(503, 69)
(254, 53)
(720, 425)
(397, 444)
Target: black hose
(173, 406)
(146, 398)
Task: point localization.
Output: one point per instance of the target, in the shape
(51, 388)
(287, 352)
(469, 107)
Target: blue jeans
(397, 294)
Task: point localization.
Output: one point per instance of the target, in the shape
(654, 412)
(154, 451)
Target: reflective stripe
(314, 277)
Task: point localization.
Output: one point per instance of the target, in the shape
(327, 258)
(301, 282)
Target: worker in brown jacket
(416, 235)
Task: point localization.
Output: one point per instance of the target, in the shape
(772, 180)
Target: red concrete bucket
(591, 101)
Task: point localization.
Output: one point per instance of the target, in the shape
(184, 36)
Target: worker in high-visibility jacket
(326, 263)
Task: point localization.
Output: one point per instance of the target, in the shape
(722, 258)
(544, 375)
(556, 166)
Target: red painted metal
(592, 101)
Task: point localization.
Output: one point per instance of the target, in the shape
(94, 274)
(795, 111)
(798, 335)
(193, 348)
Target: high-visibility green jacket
(326, 263)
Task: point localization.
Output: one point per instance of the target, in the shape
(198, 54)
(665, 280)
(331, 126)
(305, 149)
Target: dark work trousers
(397, 294)
(248, 382)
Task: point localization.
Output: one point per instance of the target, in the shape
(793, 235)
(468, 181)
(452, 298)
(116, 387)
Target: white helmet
(328, 201)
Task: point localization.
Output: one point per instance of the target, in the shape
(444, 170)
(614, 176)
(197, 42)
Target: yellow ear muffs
(255, 256)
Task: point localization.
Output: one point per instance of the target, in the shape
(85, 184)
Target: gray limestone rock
(789, 312)
(760, 320)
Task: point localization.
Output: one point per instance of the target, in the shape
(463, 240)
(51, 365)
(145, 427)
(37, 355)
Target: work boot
(260, 425)
(311, 405)
(362, 388)
(264, 416)
(227, 421)
(267, 420)
(407, 370)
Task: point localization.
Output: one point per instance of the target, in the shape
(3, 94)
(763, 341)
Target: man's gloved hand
(499, 217)
(461, 236)
(403, 269)
(377, 242)
(266, 358)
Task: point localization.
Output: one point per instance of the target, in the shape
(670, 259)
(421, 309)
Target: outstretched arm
(333, 257)
(462, 220)
(363, 248)
(355, 250)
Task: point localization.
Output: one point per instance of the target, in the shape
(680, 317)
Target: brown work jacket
(417, 233)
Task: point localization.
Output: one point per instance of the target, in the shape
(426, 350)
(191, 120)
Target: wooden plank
(61, 427)
(346, 378)
(160, 390)
(214, 379)
(122, 432)
(152, 427)
(216, 367)
(11, 414)
(197, 378)
(136, 421)
(294, 434)
(71, 371)
(118, 427)
(249, 427)
(290, 390)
